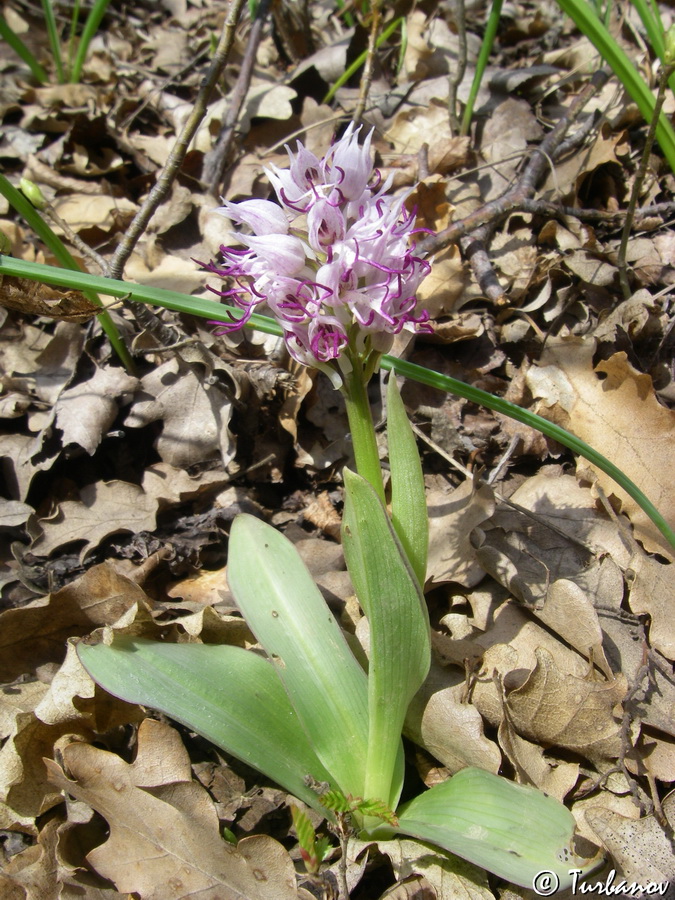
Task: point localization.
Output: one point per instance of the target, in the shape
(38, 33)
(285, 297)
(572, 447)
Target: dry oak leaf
(167, 843)
(450, 877)
(641, 848)
(33, 874)
(621, 415)
(195, 416)
(36, 634)
(86, 411)
(652, 592)
(555, 708)
(104, 508)
(452, 730)
(452, 517)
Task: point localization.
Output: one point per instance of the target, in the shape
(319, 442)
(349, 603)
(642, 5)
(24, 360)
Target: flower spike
(333, 260)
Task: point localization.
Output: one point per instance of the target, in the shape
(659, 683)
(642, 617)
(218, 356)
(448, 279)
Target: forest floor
(551, 593)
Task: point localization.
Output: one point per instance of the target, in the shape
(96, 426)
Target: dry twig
(180, 148)
(216, 161)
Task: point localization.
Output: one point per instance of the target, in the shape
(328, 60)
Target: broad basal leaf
(510, 829)
(285, 610)
(230, 696)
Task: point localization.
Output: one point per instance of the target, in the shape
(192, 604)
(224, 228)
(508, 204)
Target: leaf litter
(551, 594)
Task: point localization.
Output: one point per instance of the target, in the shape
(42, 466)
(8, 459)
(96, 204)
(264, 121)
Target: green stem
(364, 440)
(481, 64)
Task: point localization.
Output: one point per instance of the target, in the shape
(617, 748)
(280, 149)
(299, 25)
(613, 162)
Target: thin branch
(367, 77)
(216, 161)
(526, 185)
(180, 148)
(457, 76)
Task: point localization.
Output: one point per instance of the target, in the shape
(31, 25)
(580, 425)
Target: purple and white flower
(333, 260)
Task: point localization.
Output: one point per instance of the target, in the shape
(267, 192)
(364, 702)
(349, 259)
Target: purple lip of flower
(333, 259)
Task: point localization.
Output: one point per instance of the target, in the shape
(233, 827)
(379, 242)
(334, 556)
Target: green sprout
(77, 46)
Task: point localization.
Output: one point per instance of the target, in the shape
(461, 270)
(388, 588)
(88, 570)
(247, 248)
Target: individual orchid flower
(332, 260)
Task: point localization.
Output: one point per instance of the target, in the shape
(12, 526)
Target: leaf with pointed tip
(510, 829)
(230, 696)
(409, 514)
(285, 610)
(400, 649)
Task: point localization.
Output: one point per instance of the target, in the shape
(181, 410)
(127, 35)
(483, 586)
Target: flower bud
(33, 193)
(669, 49)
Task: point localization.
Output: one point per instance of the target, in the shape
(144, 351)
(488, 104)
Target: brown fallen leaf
(43, 365)
(533, 766)
(448, 728)
(652, 592)
(452, 517)
(33, 873)
(36, 634)
(639, 847)
(618, 414)
(104, 508)
(86, 411)
(195, 416)
(37, 299)
(448, 876)
(556, 708)
(167, 843)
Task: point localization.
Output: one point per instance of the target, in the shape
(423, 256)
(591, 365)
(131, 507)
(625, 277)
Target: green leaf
(510, 829)
(230, 696)
(400, 649)
(582, 14)
(408, 500)
(285, 610)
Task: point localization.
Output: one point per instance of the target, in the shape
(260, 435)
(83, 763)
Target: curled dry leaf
(38, 299)
(555, 708)
(451, 729)
(104, 508)
(533, 766)
(166, 843)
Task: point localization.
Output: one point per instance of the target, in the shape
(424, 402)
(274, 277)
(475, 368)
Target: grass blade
(583, 16)
(54, 42)
(54, 243)
(91, 26)
(12, 38)
(481, 63)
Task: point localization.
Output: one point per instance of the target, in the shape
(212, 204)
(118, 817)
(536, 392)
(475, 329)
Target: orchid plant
(334, 261)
